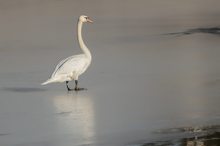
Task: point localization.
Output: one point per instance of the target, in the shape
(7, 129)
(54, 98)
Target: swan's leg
(76, 86)
(67, 86)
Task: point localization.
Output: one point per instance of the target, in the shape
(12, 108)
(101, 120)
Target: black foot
(76, 87)
(79, 89)
(68, 89)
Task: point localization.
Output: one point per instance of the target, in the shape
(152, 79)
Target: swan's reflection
(75, 115)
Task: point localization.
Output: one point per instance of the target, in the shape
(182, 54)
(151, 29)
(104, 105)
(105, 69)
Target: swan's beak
(89, 20)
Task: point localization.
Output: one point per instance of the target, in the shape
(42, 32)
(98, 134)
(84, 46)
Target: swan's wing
(71, 64)
(59, 65)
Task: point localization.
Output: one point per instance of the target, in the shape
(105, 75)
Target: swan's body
(72, 67)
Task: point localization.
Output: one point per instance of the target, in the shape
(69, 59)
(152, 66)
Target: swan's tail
(48, 81)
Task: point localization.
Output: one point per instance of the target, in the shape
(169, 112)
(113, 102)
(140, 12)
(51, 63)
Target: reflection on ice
(75, 115)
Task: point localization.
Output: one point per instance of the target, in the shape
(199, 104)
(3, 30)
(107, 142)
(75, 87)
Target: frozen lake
(155, 74)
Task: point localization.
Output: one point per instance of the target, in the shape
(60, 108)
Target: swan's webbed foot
(76, 87)
(79, 89)
(68, 89)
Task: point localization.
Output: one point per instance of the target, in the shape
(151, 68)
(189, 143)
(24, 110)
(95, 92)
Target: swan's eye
(86, 18)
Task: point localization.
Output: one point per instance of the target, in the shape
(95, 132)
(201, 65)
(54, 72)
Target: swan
(72, 67)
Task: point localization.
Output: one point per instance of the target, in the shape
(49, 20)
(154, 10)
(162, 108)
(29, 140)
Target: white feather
(72, 67)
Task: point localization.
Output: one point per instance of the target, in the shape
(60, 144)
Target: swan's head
(84, 18)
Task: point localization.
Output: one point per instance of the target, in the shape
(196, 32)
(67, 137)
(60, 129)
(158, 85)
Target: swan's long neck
(81, 42)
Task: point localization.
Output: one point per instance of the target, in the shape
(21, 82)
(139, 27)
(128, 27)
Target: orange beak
(89, 20)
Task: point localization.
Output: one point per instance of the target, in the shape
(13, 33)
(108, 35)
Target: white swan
(72, 67)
